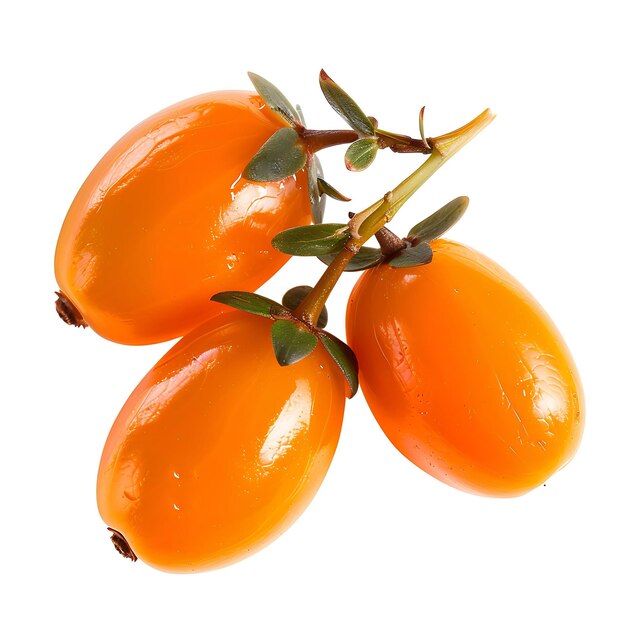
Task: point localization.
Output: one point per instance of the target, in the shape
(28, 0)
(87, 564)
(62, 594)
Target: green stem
(366, 223)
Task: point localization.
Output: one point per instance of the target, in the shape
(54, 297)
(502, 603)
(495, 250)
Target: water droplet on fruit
(231, 261)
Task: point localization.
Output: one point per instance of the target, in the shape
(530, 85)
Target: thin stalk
(366, 223)
(316, 140)
(402, 143)
(309, 313)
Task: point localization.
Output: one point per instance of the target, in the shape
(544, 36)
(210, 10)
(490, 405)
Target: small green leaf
(361, 154)
(282, 155)
(330, 191)
(315, 240)
(274, 98)
(251, 303)
(362, 260)
(292, 341)
(318, 201)
(294, 296)
(345, 359)
(440, 221)
(421, 254)
(345, 105)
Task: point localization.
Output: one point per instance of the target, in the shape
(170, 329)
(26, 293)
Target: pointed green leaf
(274, 98)
(344, 358)
(314, 240)
(282, 155)
(440, 221)
(318, 201)
(345, 105)
(330, 191)
(250, 302)
(421, 254)
(292, 341)
(296, 295)
(365, 258)
(361, 154)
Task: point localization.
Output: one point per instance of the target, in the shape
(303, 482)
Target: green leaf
(330, 191)
(344, 358)
(362, 260)
(361, 154)
(296, 295)
(292, 341)
(274, 98)
(282, 155)
(315, 240)
(421, 254)
(251, 303)
(345, 105)
(318, 201)
(440, 221)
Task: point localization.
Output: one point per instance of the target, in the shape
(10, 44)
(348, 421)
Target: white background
(382, 542)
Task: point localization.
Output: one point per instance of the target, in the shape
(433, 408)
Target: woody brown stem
(402, 143)
(316, 140)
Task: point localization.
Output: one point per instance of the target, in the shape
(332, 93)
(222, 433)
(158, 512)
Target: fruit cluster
(228, 437)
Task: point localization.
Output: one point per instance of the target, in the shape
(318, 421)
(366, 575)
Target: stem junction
(368, 222)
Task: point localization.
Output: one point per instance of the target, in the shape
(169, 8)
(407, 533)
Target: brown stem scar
(68, 312)
(121, 545)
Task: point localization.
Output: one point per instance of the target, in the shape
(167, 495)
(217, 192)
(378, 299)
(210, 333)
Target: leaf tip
(326, 188)
(247, 172)
(345, 359)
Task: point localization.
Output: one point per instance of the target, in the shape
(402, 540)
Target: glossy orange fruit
(219, 449)
(465, 372)
(165, 220)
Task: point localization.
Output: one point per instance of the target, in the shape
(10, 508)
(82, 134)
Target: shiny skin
(465, 372)
(165, 220)
(219, 449)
